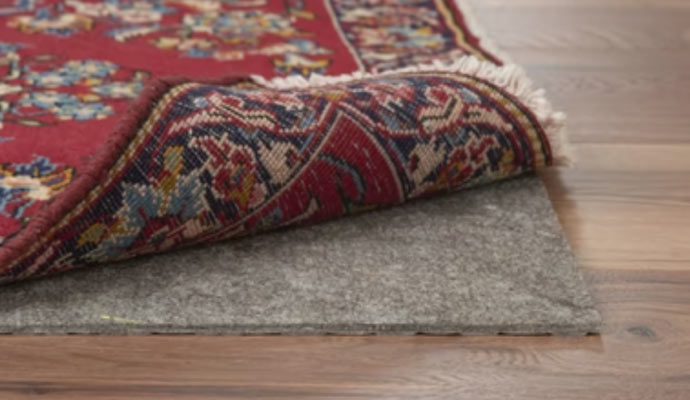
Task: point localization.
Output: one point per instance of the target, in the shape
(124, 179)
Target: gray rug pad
(482, 261)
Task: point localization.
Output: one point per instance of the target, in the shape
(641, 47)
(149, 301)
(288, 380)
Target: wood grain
(621, 70)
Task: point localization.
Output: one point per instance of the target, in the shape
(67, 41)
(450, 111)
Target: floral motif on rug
(209, 157)
(69, 68)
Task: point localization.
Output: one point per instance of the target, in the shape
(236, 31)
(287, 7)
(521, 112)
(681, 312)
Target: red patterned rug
(132, 127)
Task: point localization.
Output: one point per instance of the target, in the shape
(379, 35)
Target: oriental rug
(131, 128)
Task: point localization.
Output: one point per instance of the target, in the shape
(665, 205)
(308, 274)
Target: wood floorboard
(620, 68)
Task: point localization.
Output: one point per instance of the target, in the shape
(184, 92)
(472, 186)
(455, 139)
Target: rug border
(471, 22)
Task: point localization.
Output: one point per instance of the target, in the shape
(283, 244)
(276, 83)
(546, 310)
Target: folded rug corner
(197, 160)
(205, 161)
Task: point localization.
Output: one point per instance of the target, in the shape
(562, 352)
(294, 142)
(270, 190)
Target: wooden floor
(621, 69)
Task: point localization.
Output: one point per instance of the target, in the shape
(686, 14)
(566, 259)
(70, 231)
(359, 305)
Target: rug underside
(482, 261)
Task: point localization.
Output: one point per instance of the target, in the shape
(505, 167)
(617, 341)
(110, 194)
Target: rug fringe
(552, 122)
(510, 77)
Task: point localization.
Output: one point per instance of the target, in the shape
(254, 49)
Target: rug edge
(478, 32)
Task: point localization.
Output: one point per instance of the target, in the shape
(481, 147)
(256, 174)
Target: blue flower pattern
(31, 96)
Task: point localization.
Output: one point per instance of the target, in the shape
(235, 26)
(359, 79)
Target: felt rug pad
(481, 261)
